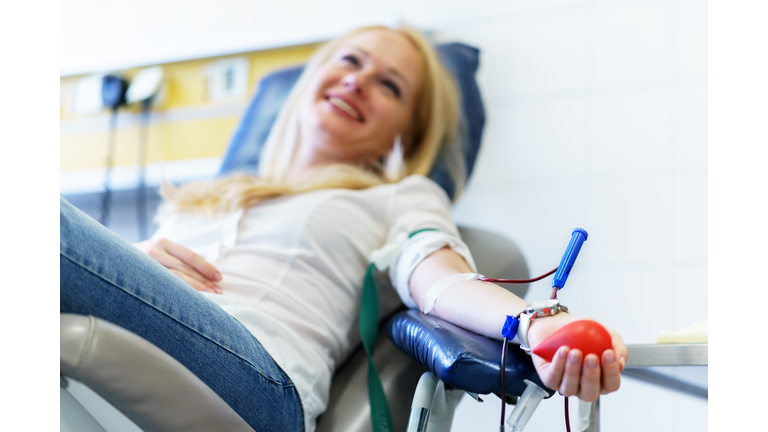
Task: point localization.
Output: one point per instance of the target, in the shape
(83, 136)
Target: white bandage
(434, 291)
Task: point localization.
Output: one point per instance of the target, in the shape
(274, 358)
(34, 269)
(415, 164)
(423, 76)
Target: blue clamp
(578, 237)
(510, 327)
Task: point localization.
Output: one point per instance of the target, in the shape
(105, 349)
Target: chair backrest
(248, 140)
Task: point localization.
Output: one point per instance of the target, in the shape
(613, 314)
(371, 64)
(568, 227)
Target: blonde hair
(434, 128)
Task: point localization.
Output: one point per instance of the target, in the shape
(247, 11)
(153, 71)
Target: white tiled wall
(597, 118)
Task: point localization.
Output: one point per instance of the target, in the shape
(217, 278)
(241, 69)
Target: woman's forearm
(480, 307)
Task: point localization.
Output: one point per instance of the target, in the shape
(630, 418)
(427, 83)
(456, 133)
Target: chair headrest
(248, 140)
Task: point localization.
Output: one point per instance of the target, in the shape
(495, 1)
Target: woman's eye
(392, 87)
(349, 58)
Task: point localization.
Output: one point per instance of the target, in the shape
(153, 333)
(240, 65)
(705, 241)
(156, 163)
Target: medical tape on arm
(438, 287)
(403, 253)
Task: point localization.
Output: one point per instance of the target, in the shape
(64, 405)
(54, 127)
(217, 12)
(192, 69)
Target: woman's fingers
(193, 260)
(194, 283)
(619, 349)
(571, 380)
(179, 267)
(590, 379)
(551, 374)
(611, 372)
(573, 374)
(171, 262)
(181, 261)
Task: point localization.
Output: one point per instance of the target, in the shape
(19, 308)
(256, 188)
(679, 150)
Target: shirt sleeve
(419, 203)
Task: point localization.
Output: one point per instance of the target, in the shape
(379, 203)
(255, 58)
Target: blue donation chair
(156, 392)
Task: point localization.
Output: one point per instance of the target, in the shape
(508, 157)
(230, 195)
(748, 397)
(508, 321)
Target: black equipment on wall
(145, 89)
(113, 90)
(141, 191)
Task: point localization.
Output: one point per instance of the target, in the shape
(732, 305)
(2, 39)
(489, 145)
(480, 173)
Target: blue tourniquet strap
(369, 327)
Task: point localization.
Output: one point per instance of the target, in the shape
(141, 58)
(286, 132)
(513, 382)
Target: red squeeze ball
(590, 337)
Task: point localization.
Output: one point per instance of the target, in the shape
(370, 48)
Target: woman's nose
(353, 83)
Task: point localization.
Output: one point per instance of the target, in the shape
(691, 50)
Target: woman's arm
(477, 306)
(482, 308)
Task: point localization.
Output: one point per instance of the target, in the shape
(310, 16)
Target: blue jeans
(105, 276)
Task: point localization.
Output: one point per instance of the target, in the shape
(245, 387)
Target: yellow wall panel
(266, 62)
(199, 139)
(185, 88)
(186, 84)
(166, 142)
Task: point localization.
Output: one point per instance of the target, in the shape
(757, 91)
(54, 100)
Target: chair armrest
(460, 358)
(147, 385)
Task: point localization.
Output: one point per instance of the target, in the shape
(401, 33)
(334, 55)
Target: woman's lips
(345, 107)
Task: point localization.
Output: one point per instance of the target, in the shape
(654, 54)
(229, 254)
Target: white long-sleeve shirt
(292, 268)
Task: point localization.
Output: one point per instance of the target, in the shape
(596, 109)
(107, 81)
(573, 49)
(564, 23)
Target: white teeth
(338, 103)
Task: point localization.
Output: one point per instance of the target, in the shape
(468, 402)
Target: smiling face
(359, 100)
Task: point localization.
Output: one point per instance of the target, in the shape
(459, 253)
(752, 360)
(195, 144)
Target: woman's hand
(189, 266)
(569, 372)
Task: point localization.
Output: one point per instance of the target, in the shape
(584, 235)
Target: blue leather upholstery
(248, 140)
(245, 147)
(458, 357)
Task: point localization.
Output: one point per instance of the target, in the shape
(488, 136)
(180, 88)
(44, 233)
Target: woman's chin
(338, 130)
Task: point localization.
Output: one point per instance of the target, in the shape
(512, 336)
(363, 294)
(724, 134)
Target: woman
(279, 260)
